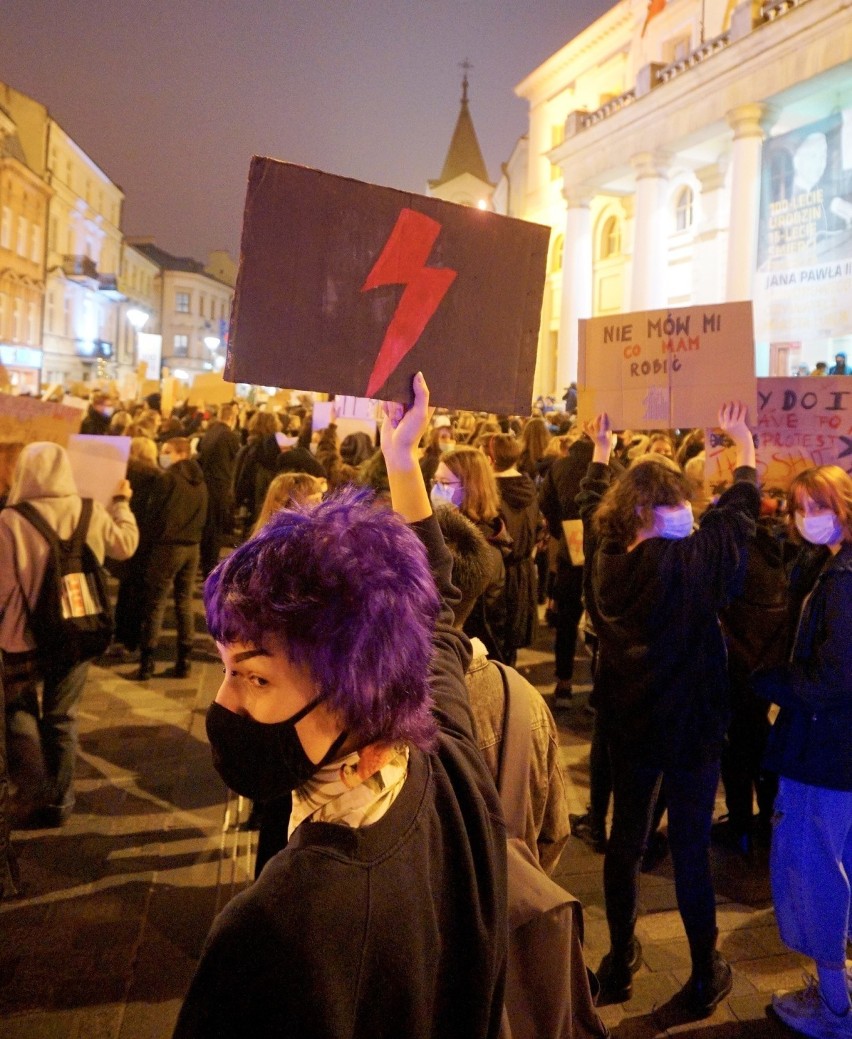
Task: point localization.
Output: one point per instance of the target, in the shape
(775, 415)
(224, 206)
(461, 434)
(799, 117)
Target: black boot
(615, 974)
(711, 979)
(146, 666)
(183, 667)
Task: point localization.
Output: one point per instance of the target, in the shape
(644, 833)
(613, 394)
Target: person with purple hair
(385, 914)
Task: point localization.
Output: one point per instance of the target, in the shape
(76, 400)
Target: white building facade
(699, 155)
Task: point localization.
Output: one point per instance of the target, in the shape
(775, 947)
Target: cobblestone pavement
(114, 907)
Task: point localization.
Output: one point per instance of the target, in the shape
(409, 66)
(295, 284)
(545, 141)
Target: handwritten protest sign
(351, 288)
(666, 369)
(24, 420)
(801, 422)
(99, 464)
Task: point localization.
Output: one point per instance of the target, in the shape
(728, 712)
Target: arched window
(683, 209)
(556, 254)
(610, 240)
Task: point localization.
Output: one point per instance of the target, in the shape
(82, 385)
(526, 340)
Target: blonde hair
(143, 449)
(828, 486)
(481, 499)
(285, 491)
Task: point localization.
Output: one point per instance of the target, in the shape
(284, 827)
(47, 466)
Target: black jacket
(217, 453)
(519, 508)
(94, 424)
(811, 741)
(180, 505)
(661, 687)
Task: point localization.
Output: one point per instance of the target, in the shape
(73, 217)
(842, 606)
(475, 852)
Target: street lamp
(137, 318)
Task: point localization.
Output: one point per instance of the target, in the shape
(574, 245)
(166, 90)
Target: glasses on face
(448, 483)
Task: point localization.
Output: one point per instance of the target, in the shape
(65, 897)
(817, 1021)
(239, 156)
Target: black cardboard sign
(350, 288)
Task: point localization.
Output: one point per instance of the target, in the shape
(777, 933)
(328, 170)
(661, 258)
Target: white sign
(99, 465)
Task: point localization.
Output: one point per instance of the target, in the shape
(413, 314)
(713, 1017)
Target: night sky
(172, 99)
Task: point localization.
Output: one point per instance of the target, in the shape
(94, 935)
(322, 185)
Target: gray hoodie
(43, 477)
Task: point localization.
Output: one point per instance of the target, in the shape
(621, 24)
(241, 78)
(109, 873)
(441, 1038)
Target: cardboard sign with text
(666, 369)
(24, 420)
(801, 422)
(351, 288)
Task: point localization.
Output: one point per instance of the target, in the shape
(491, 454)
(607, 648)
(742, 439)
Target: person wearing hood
(180, 502)
(661, 687)
(47, 740)
(520, 512)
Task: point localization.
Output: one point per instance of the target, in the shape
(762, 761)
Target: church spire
(464, 154)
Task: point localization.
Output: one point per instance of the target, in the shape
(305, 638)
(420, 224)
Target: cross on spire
(467, 67)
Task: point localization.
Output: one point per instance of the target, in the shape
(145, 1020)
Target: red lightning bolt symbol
(403, 262)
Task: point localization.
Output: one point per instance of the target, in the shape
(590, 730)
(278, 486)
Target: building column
(750, 124)
(651, 232)
(711, 241)
(576, 283)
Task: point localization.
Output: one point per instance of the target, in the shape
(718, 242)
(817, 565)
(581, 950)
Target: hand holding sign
(733, 420)
(599, 431)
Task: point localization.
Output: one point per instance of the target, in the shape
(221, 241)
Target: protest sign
(211, 388)
(24, 420)
(351, 288)
(666, 369)
(99, 465)
(801, 422)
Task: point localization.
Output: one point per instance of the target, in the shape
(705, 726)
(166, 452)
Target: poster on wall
(351, 288)
(666, 369)
(803, 284)
(801, 422)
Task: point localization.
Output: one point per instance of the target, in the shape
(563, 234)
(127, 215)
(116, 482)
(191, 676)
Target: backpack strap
(513, 770)
(33, 516)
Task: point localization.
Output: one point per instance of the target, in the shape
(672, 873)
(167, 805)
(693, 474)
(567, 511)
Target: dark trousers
(568, 596)
(742, 756)
(171, 569)
(218, 526)
(690, 796)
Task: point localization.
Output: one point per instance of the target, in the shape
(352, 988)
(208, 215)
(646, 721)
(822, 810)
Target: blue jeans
(690, 796)
(811, 869)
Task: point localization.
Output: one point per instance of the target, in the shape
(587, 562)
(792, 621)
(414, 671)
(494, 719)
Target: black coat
(179, 505)
(661, 687)
(811, 741)
(519, 508)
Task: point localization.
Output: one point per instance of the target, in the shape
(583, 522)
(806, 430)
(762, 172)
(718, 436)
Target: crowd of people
(345, 615)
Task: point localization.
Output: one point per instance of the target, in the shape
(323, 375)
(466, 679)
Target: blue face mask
(674, 524)
(446, 494)
(819, 530)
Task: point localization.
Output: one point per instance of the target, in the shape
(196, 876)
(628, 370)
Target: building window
(181, 346)
(36, 242)
(201, 304)
(32, 334)
(6, 229)
(182, 302)
(16, 320)
(21, 240)
(610, 240)
(677, 49)
(684, 209)
(49, 317)
(3, 298)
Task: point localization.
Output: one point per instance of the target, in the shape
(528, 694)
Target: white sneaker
(807, 1012)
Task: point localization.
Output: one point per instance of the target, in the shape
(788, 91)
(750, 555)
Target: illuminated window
(610, 240)
(16, 320)
(21, 240)
(683, 209)
(6, 229)
(182, 302)
(36, 240)
(181, 345)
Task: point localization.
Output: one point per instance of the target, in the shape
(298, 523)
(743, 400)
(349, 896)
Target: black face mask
(262, 760)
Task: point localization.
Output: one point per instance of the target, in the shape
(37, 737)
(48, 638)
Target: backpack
(549, 990)
(71, 620)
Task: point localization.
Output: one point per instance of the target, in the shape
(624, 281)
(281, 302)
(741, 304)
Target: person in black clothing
(661, 686)
(181, 505)
(145, 478)
(217, 454)
(557, 496)
(840, 367)
(97, 419)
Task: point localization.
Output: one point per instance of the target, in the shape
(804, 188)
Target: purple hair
(345, 588)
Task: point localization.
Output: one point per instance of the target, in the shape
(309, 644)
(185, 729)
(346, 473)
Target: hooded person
(180, 502)
(44, 742)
